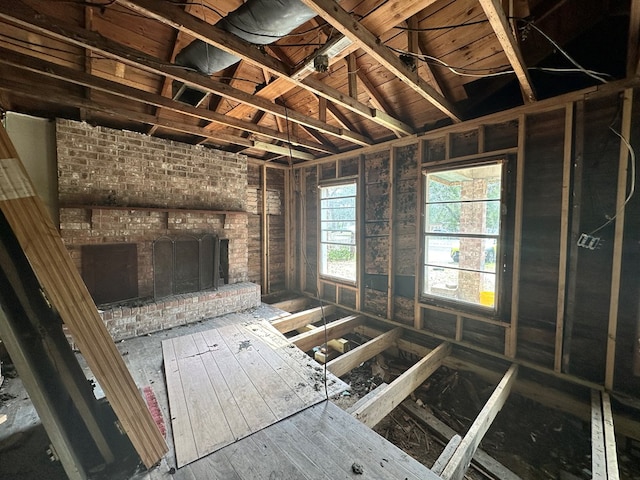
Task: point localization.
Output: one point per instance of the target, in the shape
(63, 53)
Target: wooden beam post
(461, 459)
(511, 346)
(264, 236)
(564, 234)
(574, 234)
(616, 268)
(391, 242)
(381, 404)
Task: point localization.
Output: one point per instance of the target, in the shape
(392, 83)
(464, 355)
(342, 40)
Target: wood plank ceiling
(393, 68)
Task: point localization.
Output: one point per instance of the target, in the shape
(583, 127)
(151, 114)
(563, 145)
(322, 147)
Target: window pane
(347, 190)
(462, 232)
(338, 231)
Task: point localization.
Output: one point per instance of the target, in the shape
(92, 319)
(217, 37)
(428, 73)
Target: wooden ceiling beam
(76, 101)
(177, 18)
(21, 14)
(417, 47)
(81, 78)
(376, 99)
(352, 75)
(379, 21)
(498, 20)
(361, 36)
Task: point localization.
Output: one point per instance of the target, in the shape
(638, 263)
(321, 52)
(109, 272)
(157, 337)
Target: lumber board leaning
(67, 293)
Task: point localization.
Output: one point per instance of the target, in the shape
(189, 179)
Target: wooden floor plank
(256, 412)
(285, 371)
(282, 401)
(210, 432)
(182, 434)
(299, 361)
(344, 448)
(232, 411)
(293, 448)
(266, 459)
(213, 467)
(363, 437)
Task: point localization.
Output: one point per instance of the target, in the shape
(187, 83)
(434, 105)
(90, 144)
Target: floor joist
(382, 404)
(301, 319)
(461, 458)
(604, 459)
(307, 340)
(350, 360)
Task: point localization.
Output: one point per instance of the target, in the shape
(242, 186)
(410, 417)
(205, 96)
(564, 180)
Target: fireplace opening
(189, 264)
(110, 271)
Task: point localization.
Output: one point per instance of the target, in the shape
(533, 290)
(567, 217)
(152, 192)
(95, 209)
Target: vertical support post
(265, 233)
(574, 234)
(360, 228)
(289, 254)
(302, 218)
(392, 216)
(511, 347)
(564, 234)
(616, 268)
(417, 313)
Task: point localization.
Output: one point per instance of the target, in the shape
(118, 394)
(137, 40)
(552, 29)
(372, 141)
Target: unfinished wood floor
(226, 383)
(322, 442)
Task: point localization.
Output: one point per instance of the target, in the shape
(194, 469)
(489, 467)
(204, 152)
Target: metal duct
(258, 21)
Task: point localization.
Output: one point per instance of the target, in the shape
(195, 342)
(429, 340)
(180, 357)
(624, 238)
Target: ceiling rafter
(376, 99)
(133, 94)
(415, 46)
(379, 21)
(357, 33)
(177, 18)
(23, 15)
(500, 24)
(77, 101)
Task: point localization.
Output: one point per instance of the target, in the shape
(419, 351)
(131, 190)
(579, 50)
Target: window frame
(501, 239)
(356, 234)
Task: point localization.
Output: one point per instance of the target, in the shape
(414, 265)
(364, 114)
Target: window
(462, 234)
(338, 231)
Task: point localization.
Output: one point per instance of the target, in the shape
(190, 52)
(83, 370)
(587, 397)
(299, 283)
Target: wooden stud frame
(616, 270)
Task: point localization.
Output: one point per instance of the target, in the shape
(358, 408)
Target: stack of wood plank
(61, 283)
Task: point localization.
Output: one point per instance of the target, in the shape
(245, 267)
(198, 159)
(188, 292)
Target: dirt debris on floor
(533, 441)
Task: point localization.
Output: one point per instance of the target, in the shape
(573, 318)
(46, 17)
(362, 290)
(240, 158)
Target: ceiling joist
(21, 14)
(358, 34)
(76, 77)
(182, 21)
(498, 20)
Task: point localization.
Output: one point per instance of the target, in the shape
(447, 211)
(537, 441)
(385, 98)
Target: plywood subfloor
(322, 442)
(226, 383)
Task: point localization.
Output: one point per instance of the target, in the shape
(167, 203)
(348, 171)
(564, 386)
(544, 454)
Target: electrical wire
(445, 27)
(632, 161)
(565, 54)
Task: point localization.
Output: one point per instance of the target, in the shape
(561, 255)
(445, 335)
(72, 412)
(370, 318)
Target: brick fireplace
(127, 201)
